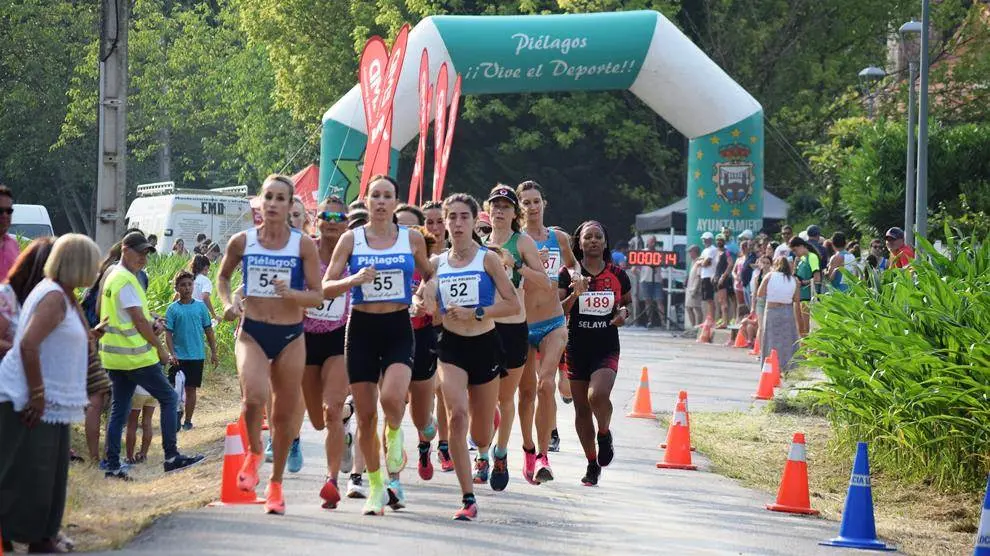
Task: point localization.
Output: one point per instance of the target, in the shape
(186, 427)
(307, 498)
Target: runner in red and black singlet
(597, 307)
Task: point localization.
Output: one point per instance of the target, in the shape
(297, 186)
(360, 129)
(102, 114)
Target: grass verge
(102, 514)
(752, 447)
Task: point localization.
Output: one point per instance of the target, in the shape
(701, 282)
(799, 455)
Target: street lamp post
(910, 33)
(869, 78)
(921, 203)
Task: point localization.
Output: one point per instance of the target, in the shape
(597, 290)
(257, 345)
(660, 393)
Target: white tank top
(780, 288)
(262, 265)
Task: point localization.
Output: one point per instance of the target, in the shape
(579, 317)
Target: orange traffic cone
(764, 391)
(775, 365)
(681, 397)
(678, 452)
(642, 406)
(793, 494)
(741, 340)
(756, 346)
(233, 458)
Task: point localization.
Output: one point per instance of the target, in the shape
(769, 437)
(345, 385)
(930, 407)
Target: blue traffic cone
(983, 533)
(858, 529)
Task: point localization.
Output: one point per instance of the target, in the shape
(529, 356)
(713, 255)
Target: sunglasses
(332, 217)
(6, 210)
(485, 229)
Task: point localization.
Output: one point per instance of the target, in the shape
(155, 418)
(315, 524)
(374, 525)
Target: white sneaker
(356, 487)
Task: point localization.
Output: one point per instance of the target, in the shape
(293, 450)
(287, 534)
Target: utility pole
(921, 201)
(111, 182)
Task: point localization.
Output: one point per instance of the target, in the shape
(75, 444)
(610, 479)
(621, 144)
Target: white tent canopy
(674, 215)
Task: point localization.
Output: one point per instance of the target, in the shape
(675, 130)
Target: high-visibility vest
(122, 347)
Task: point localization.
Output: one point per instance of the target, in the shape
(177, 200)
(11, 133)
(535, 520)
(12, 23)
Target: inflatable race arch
(641, 51)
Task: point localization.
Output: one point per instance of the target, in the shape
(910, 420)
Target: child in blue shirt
(185, 322)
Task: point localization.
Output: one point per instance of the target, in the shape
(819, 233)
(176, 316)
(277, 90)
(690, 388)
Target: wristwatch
(479, 313)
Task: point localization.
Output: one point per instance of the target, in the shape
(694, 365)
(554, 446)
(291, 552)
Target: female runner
(422, 389)
(597, 308)
(325, 385)
(462, 296)
(547, 334)
(433, 211)
(523, 261)
(381, 257)
(281, 277)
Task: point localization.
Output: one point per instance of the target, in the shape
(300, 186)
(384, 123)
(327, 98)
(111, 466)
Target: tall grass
(161, 271)
(908, 365)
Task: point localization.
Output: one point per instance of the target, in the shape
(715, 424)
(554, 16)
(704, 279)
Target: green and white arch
(641, 51)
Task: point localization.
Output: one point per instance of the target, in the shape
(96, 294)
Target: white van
(31, 221)
(173, 214)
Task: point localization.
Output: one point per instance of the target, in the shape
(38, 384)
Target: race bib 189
(599, 304)
(261, 279)
(463, 291)
(552, 264)
(331, 310)
(388, 285)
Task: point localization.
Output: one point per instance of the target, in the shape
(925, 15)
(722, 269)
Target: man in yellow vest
(133, 356)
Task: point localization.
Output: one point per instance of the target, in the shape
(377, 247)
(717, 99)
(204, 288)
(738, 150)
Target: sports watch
(479, 313)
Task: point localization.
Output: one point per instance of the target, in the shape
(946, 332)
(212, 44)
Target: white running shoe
(356, 487)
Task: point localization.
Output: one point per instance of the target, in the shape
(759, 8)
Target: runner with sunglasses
(325, 385)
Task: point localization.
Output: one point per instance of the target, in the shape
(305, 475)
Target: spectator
(153, 240)
(779, 325)
(199, 268)
(43, 391)
(809, 275)
(752, 254)
(692, 290)
(202, 246)
(841, 259)
(764, 265)
(730, 243)
(879, 252)
(23, 276)
(783, 249)
(723, 282)
(9, 247)
(213, 252)
(651, 292)
(901, 254)
(856, 266)
(179, 248)
(133, 355)
(186, 321)
(619, 257)
(815, 240)
(709, 257)
(143, 409)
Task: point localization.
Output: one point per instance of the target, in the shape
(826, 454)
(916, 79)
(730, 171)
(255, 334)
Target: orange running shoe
(274, 501)
(330, 494)
(247, 478)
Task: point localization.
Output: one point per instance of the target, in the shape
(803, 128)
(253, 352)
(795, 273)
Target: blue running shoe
(396, 496)
(269, 451)
(295, 462)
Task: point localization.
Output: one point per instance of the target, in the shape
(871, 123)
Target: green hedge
(907, 365)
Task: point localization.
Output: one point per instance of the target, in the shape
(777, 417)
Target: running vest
(513, 248)
(468, 286)
(394, 266)
(261, 266)
(553, 263)
(122, 347)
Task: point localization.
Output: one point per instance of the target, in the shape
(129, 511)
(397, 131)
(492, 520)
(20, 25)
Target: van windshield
(31, 230)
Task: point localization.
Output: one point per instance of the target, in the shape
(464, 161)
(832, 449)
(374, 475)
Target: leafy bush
(161, 275)
(907, 365)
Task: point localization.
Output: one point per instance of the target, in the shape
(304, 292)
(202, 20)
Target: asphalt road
(636, 509)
